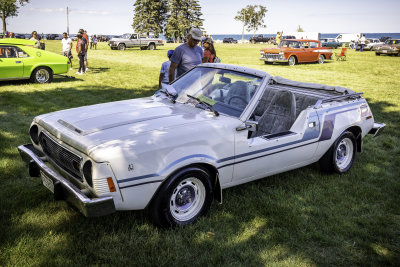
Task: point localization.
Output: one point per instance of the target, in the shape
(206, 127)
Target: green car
(20, 60)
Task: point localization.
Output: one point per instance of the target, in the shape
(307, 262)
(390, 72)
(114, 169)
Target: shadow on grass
(300, 216)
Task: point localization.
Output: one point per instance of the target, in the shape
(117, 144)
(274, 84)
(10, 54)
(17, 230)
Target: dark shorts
(68, 54)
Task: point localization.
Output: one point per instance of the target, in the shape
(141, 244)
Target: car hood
(118, 39)
(86, 127)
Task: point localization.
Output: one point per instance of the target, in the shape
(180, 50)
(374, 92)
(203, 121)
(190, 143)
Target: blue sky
(115, 17)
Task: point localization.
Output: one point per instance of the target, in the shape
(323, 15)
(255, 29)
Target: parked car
(259, 39)
(294, 51)
(20, 60)
(229, 40)
(391, 47)
(215, 127)
(135, 40)
(371, 44)
(329, 42)
(19, 36)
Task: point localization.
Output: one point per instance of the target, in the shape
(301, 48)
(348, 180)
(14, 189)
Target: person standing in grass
(209, 51)
(94, 41)
(163, 79)
(35, 38)
(187, 55)
(67, 47)
(362, 43)
(278, 37)
(85, 39)
(80, 50)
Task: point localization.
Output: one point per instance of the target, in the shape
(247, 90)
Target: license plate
(384, 51)
(270, 59)
(47, 182)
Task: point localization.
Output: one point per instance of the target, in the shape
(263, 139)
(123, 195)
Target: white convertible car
(215, 127)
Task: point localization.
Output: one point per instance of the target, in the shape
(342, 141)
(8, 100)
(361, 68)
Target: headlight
(34, 134)
(87, 172)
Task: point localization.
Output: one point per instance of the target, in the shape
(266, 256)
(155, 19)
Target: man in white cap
(187, 55)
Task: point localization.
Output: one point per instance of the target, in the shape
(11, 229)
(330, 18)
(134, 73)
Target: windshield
(226, 91)
(286, 43)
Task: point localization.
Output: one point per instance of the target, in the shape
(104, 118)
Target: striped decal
(309, 135)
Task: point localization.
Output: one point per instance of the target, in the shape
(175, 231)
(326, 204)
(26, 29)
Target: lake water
(220, 37)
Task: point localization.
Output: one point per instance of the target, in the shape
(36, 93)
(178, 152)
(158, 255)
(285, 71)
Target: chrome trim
(319, 102)
(90, 207)
(377, 128)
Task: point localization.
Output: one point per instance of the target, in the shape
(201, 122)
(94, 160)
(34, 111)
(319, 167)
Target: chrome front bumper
(377, 129)
(273, 58)
(62, 188)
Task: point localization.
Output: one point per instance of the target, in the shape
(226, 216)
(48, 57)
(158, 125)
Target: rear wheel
(42, 75)
(182, 199)
(152, 46)
(321, 59)
(377, 54)
(292, 61)
(340, 157)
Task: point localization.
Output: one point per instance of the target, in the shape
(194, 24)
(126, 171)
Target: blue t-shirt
(186, 58)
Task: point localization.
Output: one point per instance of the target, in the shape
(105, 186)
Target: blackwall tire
(183, 198)
(42, 75)
(341, 155)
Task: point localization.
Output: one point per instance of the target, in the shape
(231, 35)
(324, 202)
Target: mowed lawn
(299, 218)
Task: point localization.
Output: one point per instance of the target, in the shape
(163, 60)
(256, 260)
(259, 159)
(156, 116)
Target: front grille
(274, 56)
(64, 158)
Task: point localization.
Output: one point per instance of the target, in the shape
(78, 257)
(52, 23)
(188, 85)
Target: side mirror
(251, 126)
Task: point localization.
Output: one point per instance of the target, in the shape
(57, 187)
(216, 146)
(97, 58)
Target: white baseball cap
(196, 33)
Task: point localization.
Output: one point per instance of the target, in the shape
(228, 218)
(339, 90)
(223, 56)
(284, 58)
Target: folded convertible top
(339, 89)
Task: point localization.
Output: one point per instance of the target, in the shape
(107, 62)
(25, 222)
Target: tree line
(173, 18)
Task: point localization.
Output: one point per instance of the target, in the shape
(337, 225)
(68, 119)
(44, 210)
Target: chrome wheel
(292, 61)
(187, 199)
(42, 76)
(321, 59)
(344, 154)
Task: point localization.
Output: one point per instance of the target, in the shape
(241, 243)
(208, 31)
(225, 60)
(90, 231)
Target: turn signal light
(111, 185)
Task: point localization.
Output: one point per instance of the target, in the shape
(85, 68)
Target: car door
(261, 156)
(313, 52)
(11, 66)
(135, 40)
(301, 51)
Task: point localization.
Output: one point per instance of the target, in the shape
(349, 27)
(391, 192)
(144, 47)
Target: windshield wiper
(169, 96)
(204, 103)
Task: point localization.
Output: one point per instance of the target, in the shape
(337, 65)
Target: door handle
(18, 61)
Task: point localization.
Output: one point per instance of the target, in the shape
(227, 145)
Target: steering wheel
(238, 97)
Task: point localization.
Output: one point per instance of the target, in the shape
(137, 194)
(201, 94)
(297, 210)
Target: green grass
(298, 218)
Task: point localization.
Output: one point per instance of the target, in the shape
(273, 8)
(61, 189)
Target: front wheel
(182, 199)
(340, 157)
(292, 61)
(321, 59)
(377, 54)
(42, 75)
(121, 47)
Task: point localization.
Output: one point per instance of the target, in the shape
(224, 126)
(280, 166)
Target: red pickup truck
(295, 51)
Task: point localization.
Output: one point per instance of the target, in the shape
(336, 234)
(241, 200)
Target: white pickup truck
(129, 40)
